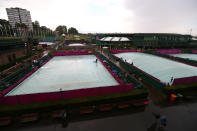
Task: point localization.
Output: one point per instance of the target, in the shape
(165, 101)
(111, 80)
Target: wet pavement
(182, 117)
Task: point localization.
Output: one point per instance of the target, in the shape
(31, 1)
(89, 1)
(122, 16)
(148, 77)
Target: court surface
(66, 73)
(161, 68)
(186, 56)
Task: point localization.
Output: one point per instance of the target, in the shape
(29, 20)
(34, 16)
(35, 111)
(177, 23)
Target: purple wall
(194, 51)
(122, 51)
(52, 96)
(69, 53)
(168, 51)
(185, 80)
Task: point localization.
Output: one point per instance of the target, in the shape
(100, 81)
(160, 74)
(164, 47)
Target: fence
(61, 95)
(194, 51)
(185, 80)
(49, 38)
(63, 53)
(123, 51)
(168, 51)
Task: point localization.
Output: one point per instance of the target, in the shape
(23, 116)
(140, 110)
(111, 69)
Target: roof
(194, 38)
(76, 44)
(174, 34)
(136, 34)
(114, 39)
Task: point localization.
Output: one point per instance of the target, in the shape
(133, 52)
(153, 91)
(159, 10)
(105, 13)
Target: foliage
(41, 30)
(4, 22)
(35, 26)
(72, 30)
(21, 25)
(20, 30)
(61, 29)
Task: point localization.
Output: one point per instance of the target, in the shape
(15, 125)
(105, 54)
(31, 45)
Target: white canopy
(114, 39)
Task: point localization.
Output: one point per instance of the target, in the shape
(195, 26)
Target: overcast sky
(133, 16)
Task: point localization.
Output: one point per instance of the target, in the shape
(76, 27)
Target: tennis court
(66, 73)
(186, 56)
(161, 68)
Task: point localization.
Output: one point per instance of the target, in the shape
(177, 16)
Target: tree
(72, 30)
(5, 28)
(4, 22)
(36, 25)
(21, 25)
(61, 29)
(43, 27)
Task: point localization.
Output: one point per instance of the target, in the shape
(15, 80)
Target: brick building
(12, 49)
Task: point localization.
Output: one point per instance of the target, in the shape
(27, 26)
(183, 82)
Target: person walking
(163, 121)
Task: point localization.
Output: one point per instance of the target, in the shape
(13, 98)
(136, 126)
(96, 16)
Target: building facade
(147, 40)
(18, 15)
(15, 48)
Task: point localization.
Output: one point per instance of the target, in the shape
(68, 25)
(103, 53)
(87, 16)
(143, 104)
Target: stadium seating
(144, 76)
(125, 78)
(15, 77)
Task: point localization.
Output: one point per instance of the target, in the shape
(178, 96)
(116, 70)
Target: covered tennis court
(186, 56)
(63, 73)
(160, 68)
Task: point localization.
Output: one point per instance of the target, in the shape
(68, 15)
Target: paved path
(179, 118)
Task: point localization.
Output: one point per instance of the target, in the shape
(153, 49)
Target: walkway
(179, 118)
